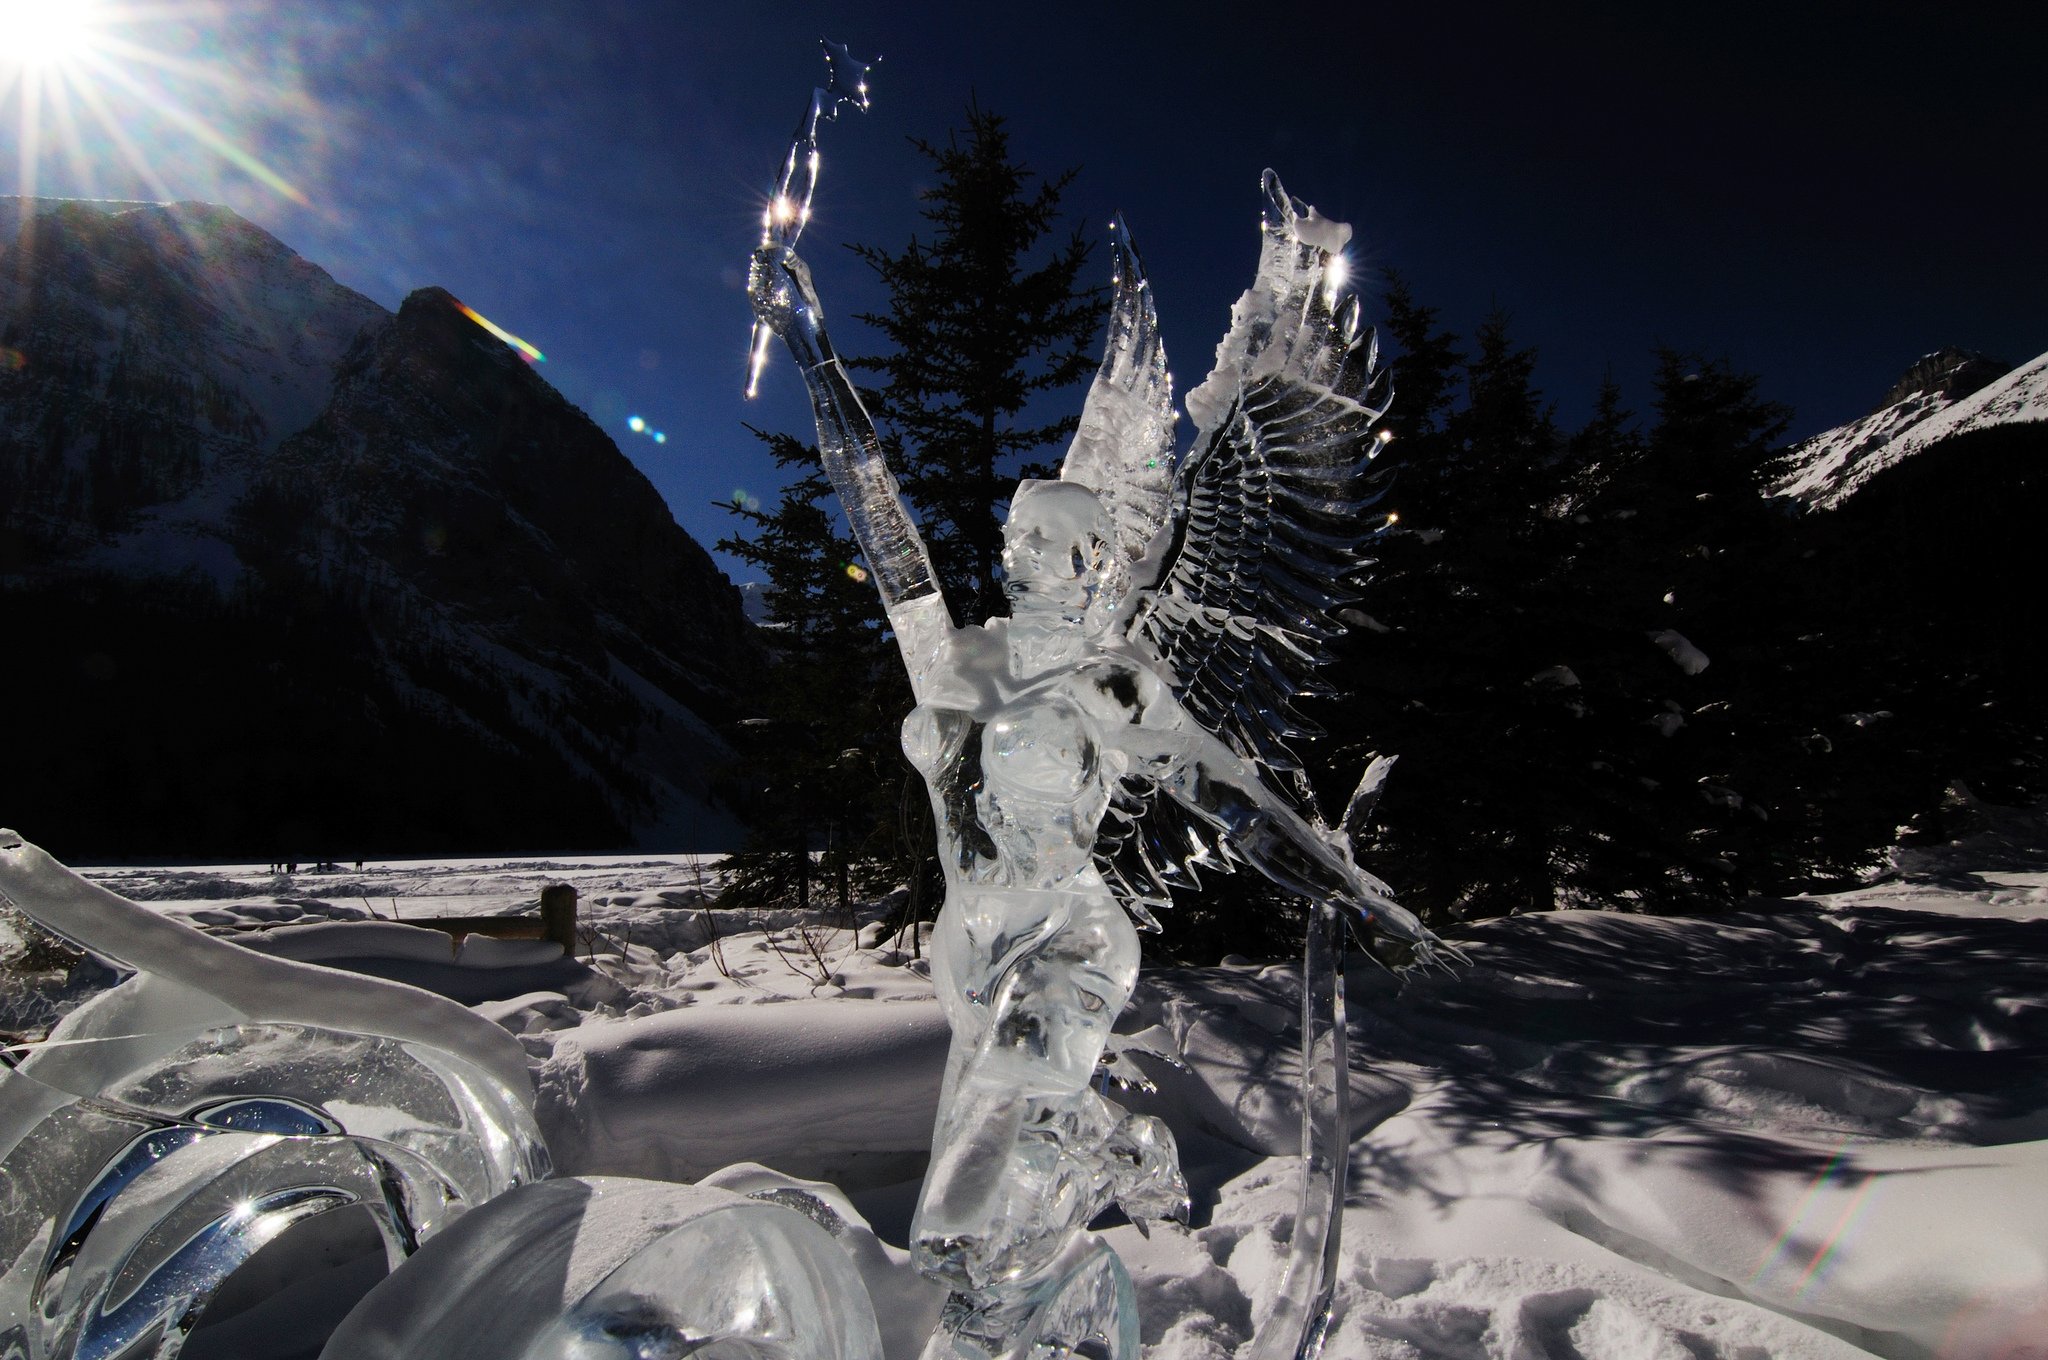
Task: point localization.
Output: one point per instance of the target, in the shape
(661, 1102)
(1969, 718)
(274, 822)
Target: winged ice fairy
(1128, 722)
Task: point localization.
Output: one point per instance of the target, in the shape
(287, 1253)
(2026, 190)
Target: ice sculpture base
(599, 1268)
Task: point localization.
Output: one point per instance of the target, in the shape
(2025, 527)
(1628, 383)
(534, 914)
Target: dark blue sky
(1817, 192)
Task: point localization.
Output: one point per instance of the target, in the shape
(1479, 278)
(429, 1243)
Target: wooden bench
(557, 921)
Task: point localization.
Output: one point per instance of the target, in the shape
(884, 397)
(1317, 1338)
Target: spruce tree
(976, 333)
(817, 755)
(1455, 624)
(1676, 579)
(1604, 447)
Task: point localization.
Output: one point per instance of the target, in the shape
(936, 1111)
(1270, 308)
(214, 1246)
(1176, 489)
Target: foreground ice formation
(1807, 1130)
(612, 1269)
(172, 1126)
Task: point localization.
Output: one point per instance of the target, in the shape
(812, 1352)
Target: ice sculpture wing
(1271, 504)
(1123, 448)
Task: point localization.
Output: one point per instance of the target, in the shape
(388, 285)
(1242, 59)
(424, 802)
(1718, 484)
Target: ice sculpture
(598, 1268)
(1128, 722)
(170, 1127)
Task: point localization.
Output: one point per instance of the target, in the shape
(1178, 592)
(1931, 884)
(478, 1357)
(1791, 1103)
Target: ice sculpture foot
(1028, 1281)
(1014, 1182)
(1083, 1306)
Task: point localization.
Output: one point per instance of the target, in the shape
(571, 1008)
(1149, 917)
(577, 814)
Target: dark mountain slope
(308, 578)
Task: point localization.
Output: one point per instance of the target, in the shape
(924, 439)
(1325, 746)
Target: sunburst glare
(156, 98)
(38, 35)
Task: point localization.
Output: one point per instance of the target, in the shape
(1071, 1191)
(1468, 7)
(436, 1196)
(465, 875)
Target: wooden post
(558, 916)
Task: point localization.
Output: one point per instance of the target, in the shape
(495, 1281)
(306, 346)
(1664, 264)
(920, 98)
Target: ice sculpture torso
(1023, 783)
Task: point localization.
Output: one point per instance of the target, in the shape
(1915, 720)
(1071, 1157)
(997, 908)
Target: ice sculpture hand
(786, 302)
(170, 1127)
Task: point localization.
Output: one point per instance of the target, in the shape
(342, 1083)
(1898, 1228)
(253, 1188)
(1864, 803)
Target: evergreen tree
(1605, 446)
(1676, 583)
(1456, 621)
(1427, 363)
(818, 751)
(975, 334)
(1505, 434)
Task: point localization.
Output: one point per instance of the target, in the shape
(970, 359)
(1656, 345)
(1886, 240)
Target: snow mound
(835, 1090)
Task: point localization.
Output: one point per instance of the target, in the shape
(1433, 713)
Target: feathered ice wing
(1123, 448)
(1271, 503)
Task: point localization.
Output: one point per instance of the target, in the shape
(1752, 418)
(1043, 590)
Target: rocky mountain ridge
(332, 537)
(1944, 394)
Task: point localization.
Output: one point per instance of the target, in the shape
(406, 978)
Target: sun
(85, 78)
(46, 34)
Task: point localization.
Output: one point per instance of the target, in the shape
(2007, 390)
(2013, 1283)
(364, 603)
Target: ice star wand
(789, 207)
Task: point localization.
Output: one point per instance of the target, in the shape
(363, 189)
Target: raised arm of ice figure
(1218, 785)
(785, 300)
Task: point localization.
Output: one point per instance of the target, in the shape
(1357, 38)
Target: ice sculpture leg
(1300, 1314)
(1082, 1306)
(1031, 983)
(1024, 1154)
(603, 1269)
(171, 1126)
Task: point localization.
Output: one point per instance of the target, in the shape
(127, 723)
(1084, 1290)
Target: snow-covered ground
(1811, 1130)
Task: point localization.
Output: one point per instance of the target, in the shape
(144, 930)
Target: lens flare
(1832, 1239)
(526, 351)
(1826, 1250)
(639, 425)
(12, 360)
(856, 571)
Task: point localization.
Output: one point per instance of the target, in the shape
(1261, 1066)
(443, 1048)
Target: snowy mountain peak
(1946, 393)
(1949, 372)
(192, 294)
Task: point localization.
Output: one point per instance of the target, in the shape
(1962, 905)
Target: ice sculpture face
(1061, 569)
(173, 1125)
(1129, 719)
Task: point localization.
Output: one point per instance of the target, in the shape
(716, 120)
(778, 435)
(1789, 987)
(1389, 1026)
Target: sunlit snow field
(1811, 1129)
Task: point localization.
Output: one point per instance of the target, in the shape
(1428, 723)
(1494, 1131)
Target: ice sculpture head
(1061, 566)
